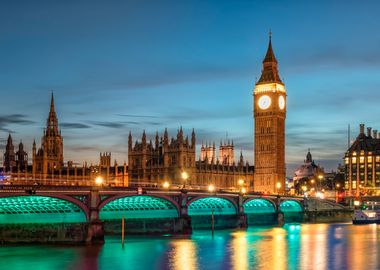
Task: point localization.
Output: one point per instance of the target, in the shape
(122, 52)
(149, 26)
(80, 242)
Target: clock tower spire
(269, 103)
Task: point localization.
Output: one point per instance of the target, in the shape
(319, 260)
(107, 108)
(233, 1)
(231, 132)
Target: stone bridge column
(184, 218)
(279, 214)
(95, 232)
(242, 217)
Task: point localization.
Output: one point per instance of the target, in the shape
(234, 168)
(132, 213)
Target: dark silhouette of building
(9, 155)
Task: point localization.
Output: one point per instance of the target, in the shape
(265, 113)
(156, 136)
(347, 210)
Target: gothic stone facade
(166, 159)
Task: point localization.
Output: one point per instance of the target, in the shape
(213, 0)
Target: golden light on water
(184, 255)
(239, 253)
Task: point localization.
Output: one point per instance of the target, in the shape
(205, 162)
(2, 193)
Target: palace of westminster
(166, 158)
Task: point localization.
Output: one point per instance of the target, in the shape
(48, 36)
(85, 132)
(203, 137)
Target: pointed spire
(52, 102)
(270, 71)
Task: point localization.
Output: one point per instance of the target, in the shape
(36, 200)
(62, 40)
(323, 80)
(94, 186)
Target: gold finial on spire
(270, 33)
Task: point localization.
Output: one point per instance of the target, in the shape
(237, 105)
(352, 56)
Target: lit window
(354, 160)
(361, 159)
(369, 159)
(346, 160)
(377, 158)
(354, 153)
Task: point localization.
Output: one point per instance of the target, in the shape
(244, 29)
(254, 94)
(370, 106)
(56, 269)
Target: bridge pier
(184, 218)
(241, 216)
(95, 230)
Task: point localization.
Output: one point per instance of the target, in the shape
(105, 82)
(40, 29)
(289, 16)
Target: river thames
(293, 246)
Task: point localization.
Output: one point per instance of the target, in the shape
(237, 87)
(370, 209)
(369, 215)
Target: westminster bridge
(41, 213)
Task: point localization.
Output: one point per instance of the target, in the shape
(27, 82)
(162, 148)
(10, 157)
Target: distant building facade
(166, 159)
(362, 163)
(48, 165)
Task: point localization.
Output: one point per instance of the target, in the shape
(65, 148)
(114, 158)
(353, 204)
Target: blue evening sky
(120, 66)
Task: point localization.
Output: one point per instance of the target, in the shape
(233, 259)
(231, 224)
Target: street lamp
(278, 186)
(99, 180)
(166, 184)
(211, 188)
(184, 176)
(320, 177)
(240, 182)
(304, 189)
(243, 190)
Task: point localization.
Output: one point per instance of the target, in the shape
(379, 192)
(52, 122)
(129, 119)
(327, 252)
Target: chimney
(375, 133)
(361, 128)
(369, 132)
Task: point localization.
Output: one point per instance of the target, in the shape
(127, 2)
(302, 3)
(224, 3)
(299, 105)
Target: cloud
(14, 119)
(138, 116)
(109, 124)
(74, 125)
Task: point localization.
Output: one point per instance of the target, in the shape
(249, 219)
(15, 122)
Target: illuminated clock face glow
(264, 102)
(281, 102)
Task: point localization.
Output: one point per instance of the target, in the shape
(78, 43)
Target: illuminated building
(362, 163)
(49, 157)
(269, 97)
(166, 159)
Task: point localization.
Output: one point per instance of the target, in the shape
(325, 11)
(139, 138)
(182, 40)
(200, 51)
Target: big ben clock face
(281, 102)
(264, 102)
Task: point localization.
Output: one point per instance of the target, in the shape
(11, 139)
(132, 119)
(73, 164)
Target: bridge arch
(138, 207)
(259, 206)
(289, 206)
(22, 209)
(201, 206)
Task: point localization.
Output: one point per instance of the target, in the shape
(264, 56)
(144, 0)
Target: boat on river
(366, 217)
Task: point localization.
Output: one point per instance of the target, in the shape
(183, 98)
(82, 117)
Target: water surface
(306, 246)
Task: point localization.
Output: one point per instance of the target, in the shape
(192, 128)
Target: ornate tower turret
(50, 156)
(269, 98)
(9, 155)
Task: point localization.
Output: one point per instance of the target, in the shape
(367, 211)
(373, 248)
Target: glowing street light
(243, 190)
(99, 180)
(166, 184)
(211, 188)
(240, 182)
(278, 186)
(184, 176)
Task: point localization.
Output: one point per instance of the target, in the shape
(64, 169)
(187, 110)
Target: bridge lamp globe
(99, 180)
(166, 184)
(278, 185)
(243, 190)
(240, 182)
(184, 175)
(211, 188)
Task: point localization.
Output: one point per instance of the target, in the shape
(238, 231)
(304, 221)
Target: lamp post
(304, 189)
(320, 177)
(166, 184)
(278, 186)
(184, 176)
(337, 186)
(211, 188)
(99, 180)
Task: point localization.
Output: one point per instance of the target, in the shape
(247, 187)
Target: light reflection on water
(307, 246)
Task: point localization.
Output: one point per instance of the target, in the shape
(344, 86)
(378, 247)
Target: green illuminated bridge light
(138, 207)
(258, 206)
(204, 206)
(290, 206)
(39, 209)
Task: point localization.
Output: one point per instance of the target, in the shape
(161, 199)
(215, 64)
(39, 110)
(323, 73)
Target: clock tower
(269, 105)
